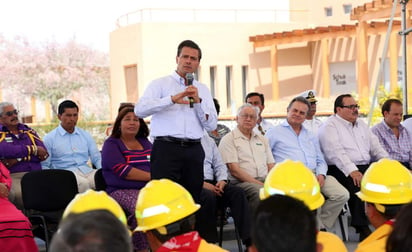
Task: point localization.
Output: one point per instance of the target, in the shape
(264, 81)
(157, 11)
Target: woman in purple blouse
(126, 165)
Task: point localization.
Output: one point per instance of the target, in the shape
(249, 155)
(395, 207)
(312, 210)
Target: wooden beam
(275, 72)
(362, 61)
(319, 33)
(324, 44)
(408, 62)
(393, 60)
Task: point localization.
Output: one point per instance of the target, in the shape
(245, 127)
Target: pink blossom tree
(52, 71)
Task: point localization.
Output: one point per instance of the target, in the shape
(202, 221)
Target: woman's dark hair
(123, 110)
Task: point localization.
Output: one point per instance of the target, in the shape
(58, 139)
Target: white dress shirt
(346, 145)
(177, 120)
(313, 125)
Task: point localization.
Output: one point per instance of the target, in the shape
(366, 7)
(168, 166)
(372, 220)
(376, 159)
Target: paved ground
(230, 243)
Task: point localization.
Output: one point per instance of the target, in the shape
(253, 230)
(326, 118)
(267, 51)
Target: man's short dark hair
(67, 104)
(388, 103)
(191, 44)
(339, 101)
(299, 99)
(261, 96)
(93, 231)
(283, 224)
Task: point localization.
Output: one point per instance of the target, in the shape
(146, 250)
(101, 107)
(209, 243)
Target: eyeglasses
(10, 113)
(352, 107)
(246, 116)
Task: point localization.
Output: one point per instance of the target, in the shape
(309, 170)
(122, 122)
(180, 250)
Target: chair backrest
(48, 190)
(99, 181)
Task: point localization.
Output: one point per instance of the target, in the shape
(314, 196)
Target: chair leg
(46, 235)
(342, 228)
(221, 224)
(43, 225)
(239, 242)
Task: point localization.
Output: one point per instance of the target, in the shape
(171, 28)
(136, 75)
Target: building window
(347, 8)
(130, 76)
(328, 11)
(212, 70)
(228, 86)
(244, 80)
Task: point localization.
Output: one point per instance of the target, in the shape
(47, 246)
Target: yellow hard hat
(91, 200)
(386, 182)
(294, 179)
(162, 202)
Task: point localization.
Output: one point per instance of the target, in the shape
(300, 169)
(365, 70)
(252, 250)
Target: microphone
(189, 79)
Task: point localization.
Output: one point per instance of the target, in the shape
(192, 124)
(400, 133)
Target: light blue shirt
(71, 151)
(177, 120)
(213, 167)
(286, 144)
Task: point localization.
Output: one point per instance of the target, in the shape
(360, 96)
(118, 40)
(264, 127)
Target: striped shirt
(398, 148)
(117, 161)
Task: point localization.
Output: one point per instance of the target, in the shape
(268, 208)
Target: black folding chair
(46, 193)
(221, 217)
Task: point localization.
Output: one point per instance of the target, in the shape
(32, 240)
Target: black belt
(361, 168)
(180, 141)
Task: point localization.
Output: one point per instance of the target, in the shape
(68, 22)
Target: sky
(89, 21)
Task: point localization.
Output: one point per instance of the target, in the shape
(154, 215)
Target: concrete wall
(153, 47)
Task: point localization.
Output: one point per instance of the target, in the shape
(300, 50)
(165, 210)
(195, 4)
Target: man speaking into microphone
(181, 109)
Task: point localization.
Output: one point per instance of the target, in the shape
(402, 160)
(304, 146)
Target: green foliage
(382, 96)
(95, 128)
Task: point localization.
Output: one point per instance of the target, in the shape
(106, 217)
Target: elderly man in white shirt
(349, 146)
(247, 154)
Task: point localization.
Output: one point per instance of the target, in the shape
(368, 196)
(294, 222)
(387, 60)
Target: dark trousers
(356, 206)
(234, 198)
(180, 163)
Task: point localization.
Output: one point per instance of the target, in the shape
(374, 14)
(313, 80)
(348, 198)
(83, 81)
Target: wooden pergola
(372, 18)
